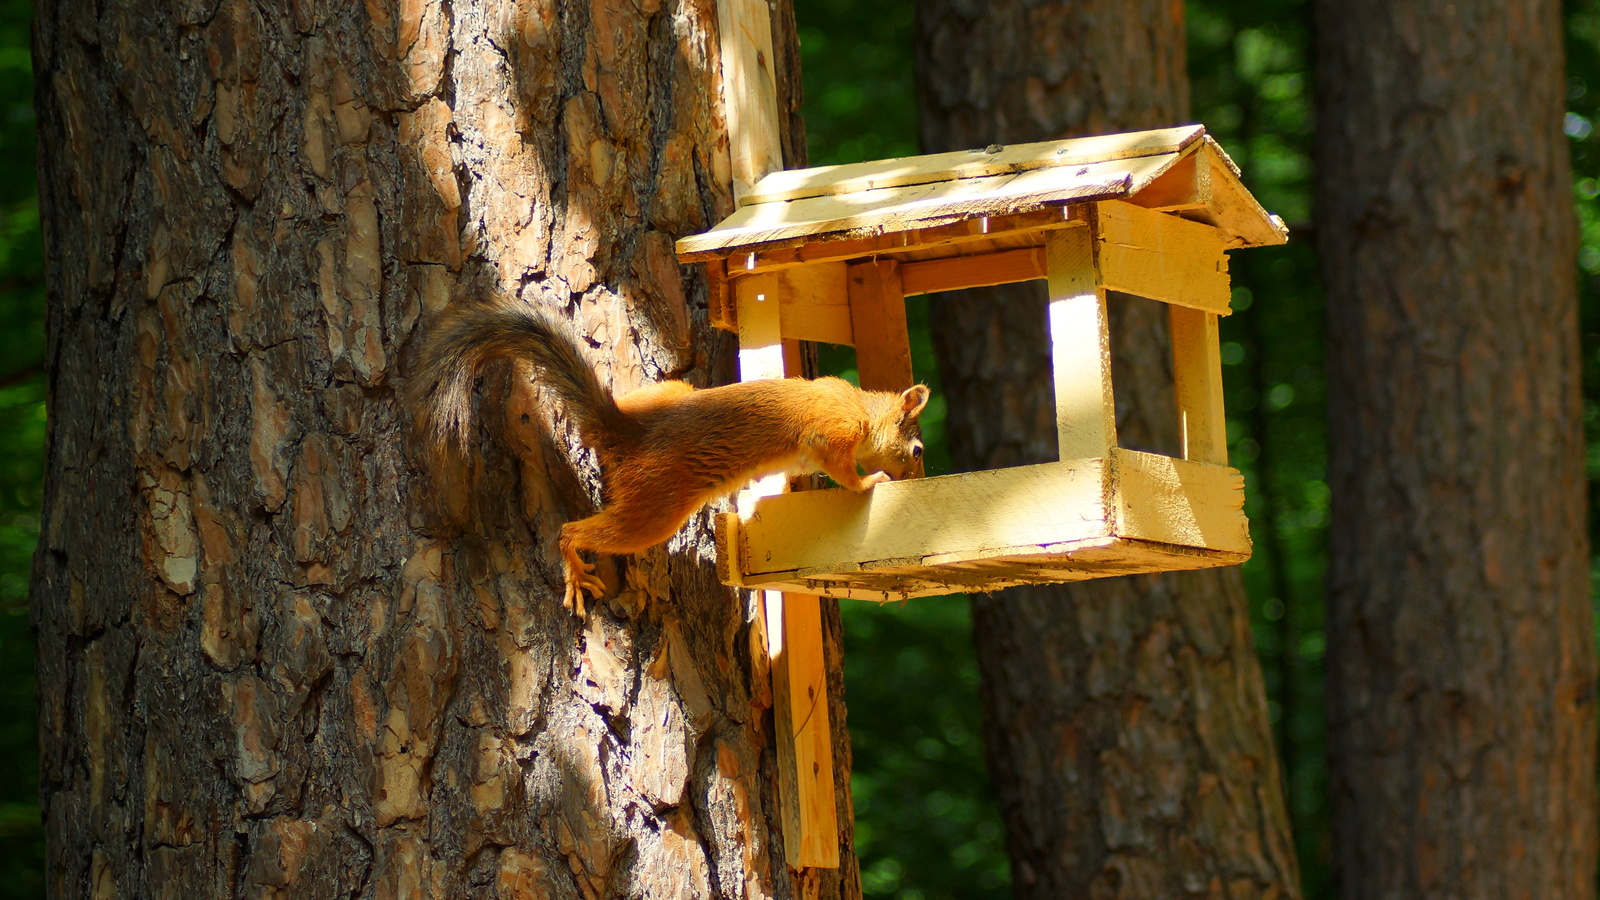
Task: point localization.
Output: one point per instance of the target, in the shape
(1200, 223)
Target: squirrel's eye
(916, 451)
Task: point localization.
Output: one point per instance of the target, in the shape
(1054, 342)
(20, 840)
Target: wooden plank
(878, 321)
(1186, 185)
(1163, 257)
(1080, 340)
(1174, 501)
(954, 236)
(719, 299)
(805, 743)
(794, 621)
(960, 272)
(855, 177)
(904, 208)
(1197, 382)
(1232, 208)
(812, 304)
(760, 331)
(1066, 562)
(904, 521)
(749, 91)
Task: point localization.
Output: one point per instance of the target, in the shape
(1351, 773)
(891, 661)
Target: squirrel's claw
(582, 580)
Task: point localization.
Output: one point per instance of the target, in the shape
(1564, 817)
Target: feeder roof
(1178, 170)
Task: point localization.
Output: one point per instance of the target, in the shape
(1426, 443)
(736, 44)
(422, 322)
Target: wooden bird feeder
(829, 254)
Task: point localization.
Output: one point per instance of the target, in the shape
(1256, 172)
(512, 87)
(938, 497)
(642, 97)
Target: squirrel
(667, 449)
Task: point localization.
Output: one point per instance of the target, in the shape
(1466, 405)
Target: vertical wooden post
(878, 322)
(1197, 381)
(794, 621)
(1080, 340)
(749, 91)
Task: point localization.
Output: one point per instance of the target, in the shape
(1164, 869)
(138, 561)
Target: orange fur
(668, 449)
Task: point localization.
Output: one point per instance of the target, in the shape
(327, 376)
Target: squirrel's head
(894, 442)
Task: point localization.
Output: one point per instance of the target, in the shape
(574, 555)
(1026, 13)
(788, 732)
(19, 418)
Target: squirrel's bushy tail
(441, 390)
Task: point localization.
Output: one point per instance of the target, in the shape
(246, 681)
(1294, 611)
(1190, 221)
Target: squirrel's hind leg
(580, 576)
(611, 530)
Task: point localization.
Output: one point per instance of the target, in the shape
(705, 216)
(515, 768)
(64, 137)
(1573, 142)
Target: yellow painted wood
(1128, 513)
(749, 91)
(905, 208)
(1197, 382)
(1232, 209)
(1186, 185)
(760, 327)
(805, 742)
(901, 522)
(928, 240)
(794, 621)
(960, 272)
(1080, 340)
(813, 302)
(878, 319)
(1175, 501)
(1072, 561)
(854, 177)
(1161, 256)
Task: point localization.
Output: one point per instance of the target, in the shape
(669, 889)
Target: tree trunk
(1125, 719)
(1461, 658)
(276, 656)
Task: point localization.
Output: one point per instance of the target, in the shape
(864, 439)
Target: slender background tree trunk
(1126, 719)
(1461, 658)
(276, 658)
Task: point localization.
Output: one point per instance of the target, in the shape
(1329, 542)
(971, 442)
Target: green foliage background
(927, 824)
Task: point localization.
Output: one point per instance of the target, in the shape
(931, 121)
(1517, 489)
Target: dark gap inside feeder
(1141, 375)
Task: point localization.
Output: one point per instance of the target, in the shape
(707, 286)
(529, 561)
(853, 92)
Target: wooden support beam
(805, 741)
(1197, 381)
(749, 92)
(878, 321)
(961, 272)
(1080, 340)
(1163, 257)
(794, 621)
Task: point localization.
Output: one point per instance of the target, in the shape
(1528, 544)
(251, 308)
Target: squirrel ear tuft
(912, 400)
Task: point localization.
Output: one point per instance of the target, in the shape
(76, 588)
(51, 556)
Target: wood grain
(853, 178)
(749, 92)
(878, 319)
(1080, 342)
(1197, 382)
(1161, 256)
(905, 208)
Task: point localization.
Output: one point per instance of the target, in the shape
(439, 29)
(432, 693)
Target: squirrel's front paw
(875, 478)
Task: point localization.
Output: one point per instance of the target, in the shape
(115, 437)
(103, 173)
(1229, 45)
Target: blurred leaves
(22, 421)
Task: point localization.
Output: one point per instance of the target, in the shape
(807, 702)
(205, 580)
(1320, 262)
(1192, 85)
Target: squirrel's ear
(912, 400)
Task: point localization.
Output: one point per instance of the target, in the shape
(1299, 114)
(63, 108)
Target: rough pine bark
(1461, 658)
(277, 657)
(1125, 719)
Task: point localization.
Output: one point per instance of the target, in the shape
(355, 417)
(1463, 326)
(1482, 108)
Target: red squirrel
(666, 449)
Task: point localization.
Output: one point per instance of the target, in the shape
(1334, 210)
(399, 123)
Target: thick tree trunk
(1461, 658)
(1126, 719)
(278, 659)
